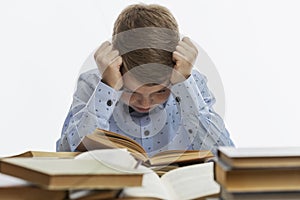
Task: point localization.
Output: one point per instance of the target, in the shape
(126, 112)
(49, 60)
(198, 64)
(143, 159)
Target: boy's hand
(109, 62)
(184, 56)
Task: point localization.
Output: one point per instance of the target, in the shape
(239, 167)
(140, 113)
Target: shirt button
(146, 133)
(109, 102)
(190, 131)
(177, 99)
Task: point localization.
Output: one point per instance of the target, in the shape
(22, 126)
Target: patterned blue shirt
(185, 121)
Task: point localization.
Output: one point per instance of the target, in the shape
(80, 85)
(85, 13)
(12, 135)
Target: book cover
(88, 172)
(257, 179)
(264, 157)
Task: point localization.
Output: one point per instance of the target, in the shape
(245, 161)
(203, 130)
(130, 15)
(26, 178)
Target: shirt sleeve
(205, 128)
(92, 106)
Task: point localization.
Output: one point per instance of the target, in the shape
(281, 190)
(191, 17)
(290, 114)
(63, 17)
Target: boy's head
(146, 36)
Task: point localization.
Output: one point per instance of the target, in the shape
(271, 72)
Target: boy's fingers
(102, 52)
(101, 48)
(182, 50)
(117, 62)
(189, 45)
(189, 42)
(112, 55)
(106, 50)
(188, 56)
(184, 45)
(177, 56)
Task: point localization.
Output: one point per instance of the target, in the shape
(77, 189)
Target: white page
(119, 159)
(151, 187)
(191, 182)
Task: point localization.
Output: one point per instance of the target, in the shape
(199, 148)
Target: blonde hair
(146, 36)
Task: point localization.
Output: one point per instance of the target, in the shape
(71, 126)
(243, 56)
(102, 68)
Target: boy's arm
(205, 127)
(94, 99)
(92, 106)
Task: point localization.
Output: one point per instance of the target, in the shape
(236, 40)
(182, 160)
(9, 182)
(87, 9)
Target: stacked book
(99, 174)
(258, 173)
(36, 175)
(111, 167)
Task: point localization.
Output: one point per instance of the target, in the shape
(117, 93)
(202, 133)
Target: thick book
(88, 170)
(188, 182)
(101, 139)
(265, 157)
(94, 194)
(293, 195)
(257, 179)
(31, 154)
(17, 189)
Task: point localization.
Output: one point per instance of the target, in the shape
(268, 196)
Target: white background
(253, 44)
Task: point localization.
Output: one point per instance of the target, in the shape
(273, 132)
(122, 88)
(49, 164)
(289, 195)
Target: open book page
(103, 139)
(151, 187)
(180, 157)
(191, 182)
(188, 182)
(119, 159)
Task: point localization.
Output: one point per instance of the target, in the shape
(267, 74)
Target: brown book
(62, 172)
(94, 194)
(31, 193)
(257, 179)
(12, 188)
(31, 154)
(260, 157)
(292, 195)
(101, 139)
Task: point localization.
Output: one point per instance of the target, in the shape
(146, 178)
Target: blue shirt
(185, 121)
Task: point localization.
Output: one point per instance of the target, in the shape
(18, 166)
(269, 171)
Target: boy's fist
(184, 57)
(109, 62)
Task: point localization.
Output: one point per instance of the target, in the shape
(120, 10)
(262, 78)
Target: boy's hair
(146, 36)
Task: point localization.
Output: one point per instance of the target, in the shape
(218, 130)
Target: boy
(145, 88)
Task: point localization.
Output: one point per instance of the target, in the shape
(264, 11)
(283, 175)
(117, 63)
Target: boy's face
(143, 98)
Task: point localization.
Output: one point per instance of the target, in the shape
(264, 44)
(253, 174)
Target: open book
(102, 139)
(189, 182)
(88, 170)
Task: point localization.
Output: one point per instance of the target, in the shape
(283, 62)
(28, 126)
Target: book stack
(258, 173)
(39, 175)
(91, 175)
(109, 166)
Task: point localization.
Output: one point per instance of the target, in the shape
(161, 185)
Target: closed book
(79, 172)
(12, 188)
(257, 179)
(263, 157)
(280, 195)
